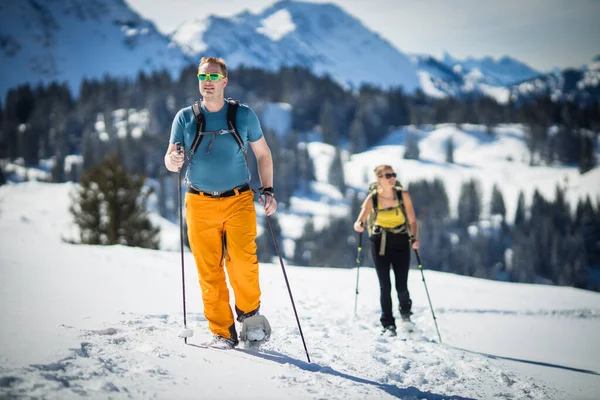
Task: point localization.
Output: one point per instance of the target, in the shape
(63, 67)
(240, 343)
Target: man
(219, 204)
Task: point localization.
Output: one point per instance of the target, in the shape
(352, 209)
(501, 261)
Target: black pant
(397, 255)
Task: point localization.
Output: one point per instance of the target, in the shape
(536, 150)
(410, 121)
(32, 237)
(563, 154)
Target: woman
(390, 242)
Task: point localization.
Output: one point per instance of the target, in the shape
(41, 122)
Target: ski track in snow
(108, 361)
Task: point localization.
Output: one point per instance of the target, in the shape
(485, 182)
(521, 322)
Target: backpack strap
(231, 123)
(375, 202)
(201, 125)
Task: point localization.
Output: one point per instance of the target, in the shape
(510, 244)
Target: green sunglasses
(213, 77)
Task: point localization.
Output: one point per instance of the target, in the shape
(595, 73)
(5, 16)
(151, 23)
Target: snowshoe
(219, 342)
(407, 325)
(389, 331)
(256, 330)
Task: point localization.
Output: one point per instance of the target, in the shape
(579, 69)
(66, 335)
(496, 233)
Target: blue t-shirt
(225, 166)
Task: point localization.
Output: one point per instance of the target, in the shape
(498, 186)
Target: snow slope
(102, 322)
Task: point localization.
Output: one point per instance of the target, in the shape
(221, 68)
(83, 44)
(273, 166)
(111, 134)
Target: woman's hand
(359, 226)
(415, 244)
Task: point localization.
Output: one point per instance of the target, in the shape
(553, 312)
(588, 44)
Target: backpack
(201, 124)
(374, 230)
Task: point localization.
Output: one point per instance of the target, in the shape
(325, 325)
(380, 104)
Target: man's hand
(269, 203)
(176, 160)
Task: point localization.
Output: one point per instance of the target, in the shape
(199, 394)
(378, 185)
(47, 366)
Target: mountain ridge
(67, 41)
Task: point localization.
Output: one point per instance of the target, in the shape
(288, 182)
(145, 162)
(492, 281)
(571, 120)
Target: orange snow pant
(209, 220)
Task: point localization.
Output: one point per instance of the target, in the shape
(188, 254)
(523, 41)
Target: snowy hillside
(68, 40)
(102, 322)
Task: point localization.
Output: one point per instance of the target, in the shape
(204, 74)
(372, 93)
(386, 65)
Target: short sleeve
(177, 128)
(254, 130)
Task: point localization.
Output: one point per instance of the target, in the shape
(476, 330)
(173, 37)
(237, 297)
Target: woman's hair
(214, 60)
(379, 170)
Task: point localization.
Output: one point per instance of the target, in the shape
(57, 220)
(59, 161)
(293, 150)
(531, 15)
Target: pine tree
(327, 120)
(561, 212)
(336, 175)
(305, 168)
(497, 203)
(587, 153)
(523, 258)
(411, 151)
(109, 206)
(450, 150)
(358, 140)
(469, 203)
(520, 217)
(2, 177)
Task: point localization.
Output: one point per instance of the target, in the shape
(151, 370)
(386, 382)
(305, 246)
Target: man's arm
(265, 172)
(173, 160)
(265, 161)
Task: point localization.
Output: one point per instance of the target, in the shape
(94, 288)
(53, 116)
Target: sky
(542, 33)
(102, 322)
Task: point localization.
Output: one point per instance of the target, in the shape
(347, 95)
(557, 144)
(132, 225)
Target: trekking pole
(186, 332)
(288, 284)
(357, 269)
(427, 291)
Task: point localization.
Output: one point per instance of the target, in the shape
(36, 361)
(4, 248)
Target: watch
(266, 190)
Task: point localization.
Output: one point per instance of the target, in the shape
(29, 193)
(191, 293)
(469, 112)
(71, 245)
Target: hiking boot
(220, 342)
(388, 331)
(405, 317)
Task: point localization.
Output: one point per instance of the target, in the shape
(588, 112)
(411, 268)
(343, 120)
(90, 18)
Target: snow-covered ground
(102, 322)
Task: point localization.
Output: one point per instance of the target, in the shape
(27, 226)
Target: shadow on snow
(312, 367)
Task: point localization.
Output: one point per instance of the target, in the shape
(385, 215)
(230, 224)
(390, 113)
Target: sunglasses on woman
(388, 175)
(213, 77)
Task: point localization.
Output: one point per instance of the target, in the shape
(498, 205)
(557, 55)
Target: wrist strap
(266, 190)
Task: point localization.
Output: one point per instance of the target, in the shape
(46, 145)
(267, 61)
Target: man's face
(212, 89)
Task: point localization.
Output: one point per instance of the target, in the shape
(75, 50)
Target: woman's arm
(412, 219)
(366, 208)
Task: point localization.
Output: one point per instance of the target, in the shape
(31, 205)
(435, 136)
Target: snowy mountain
(582, 84)
(102, 322)
(452, 77)
(68, 40)
(320, 37)
(327, 40)
(502, 72)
